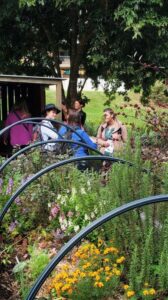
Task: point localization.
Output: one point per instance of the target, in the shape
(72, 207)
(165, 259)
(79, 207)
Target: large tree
(123, 41)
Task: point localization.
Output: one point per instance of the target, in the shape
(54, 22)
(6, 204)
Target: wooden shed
(31, 88)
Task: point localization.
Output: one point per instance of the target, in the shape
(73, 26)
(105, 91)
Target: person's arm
(99, 132)
(88, 141)
(99, 139)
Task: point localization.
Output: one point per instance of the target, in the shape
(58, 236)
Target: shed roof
(29, 79)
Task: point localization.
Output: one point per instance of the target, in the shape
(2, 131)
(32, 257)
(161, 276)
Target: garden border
(36, 144)
(84, 232)
(55, 166)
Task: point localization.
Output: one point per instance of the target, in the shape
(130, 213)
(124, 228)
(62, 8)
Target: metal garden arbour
(29, 121)
(34, 121)
(97, 223)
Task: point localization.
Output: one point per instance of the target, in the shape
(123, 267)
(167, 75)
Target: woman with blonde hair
(112, 134)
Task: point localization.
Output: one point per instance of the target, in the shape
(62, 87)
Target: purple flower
(9, 187)
(12, 226)
(58, 234)
(17, 201)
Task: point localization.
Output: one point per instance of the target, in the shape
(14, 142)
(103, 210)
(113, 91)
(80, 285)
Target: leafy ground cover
(124, 259)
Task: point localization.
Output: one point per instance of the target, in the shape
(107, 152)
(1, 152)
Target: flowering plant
(93, 272)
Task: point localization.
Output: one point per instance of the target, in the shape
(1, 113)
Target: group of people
(111, 135)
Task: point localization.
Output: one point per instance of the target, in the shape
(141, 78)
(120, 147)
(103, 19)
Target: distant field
(95, 107)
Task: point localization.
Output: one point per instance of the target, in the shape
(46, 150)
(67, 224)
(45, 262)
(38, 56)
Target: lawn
(96, 105)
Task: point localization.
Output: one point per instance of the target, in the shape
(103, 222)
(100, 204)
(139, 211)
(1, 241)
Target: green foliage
(33, 267)
(103, 36)
(159, 93)
(38, 261)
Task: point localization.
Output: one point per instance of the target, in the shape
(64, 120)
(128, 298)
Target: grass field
(96, 105)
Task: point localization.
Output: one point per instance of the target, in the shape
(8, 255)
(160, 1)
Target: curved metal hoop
(84, 232)
(31, 120)
(55, 166)
(22, 151)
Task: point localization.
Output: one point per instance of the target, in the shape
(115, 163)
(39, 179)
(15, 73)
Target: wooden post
(4, 102)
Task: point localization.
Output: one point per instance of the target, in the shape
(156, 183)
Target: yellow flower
(100, 242)
(120, 260)
(96, 251)
(66, 287)
(116, 272)
(145, 292)
(130, 294)
(106, 260)
(110, 250)
(87, 265)
(71, 280)
(70, 291)
(97, 277)
(82, 274)
(99, 284)
(107, 278)
(152, 291)
(125, 287)
(107, 268)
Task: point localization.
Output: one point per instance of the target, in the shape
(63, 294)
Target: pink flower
(54, 211)
(70, 214)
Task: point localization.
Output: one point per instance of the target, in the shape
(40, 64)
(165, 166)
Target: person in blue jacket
(74, 121)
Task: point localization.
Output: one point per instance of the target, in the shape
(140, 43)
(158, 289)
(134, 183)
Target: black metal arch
(55, 166)
(84, 232)
(22, 151)
(31, 120)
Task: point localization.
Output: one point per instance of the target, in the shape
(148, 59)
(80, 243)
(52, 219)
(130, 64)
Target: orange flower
(99, 284)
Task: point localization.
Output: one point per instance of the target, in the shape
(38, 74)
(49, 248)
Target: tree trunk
(72, 88)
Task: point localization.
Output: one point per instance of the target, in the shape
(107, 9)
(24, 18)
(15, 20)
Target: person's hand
(106, 144)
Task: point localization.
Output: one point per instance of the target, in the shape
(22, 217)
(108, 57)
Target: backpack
(65, 148)
(37, 133)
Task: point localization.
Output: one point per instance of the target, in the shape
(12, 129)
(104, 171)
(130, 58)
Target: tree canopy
(121, 41)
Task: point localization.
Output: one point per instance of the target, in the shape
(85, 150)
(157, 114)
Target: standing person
(19, 135)
(78, 105)
(50, 112)
(64, 111)
(112, 133)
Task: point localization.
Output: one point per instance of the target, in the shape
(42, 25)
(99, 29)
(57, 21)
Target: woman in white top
(46, 133)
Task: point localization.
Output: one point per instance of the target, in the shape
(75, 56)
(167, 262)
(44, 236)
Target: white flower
(86, 217)
(88, 183)
(59, 196)
(63, 200)
(76, 228)
(49, 204)
(92, 215)
(95, 210)
(83, 192)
